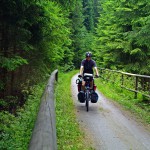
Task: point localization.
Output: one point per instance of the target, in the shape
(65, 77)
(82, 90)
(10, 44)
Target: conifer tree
(121, 41)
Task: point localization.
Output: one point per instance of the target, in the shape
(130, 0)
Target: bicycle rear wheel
(87, 100)
(87, 104)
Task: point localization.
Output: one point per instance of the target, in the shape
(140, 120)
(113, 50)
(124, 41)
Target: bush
(16, 130)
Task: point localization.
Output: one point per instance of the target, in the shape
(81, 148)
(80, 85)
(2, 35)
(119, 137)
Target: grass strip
(137, 106)
(69, 135)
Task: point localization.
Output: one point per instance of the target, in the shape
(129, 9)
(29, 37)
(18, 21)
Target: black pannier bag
(94, 97)
(81, 97)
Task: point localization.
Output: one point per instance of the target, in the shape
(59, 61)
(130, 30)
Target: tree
(120, 28)
(78, 33)
(35, 39)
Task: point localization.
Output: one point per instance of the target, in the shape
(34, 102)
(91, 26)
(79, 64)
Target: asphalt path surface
(108, 127)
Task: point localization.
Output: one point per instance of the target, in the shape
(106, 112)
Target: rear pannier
(94, 97)
(81, 97)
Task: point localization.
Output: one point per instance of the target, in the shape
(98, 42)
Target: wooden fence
(44, 133)
(132, 82)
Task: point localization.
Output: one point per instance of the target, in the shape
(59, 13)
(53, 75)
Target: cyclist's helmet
(88, 54)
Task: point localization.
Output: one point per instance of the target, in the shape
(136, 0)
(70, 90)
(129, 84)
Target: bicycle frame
(88, 78)
(87, 96)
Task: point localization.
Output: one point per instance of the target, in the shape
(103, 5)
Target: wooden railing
(44, 133)
(132, 82)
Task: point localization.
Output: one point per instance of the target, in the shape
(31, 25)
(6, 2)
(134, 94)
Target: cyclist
(87, 66)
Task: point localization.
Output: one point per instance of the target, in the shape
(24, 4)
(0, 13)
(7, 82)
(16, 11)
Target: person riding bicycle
(87, 66)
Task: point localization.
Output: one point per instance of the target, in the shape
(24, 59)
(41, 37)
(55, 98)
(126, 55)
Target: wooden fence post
(136, 87)
(122, 80)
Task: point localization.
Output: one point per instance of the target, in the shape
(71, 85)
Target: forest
(37, 37)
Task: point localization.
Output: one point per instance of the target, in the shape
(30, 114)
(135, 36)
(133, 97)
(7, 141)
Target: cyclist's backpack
(81, 97)
(94, 97)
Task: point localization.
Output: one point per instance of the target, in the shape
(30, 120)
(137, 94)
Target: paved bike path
(108, 127)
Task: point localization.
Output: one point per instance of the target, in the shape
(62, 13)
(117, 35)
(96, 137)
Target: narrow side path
(108, 127)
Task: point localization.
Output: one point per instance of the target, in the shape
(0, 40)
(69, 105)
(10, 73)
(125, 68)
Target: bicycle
(88, 93)
(87, 78)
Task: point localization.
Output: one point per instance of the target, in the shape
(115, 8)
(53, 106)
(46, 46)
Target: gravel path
(108, 127)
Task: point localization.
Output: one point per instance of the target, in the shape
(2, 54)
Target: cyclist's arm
(81, 70)
(96, 70)
(82, 67)
(95, 67)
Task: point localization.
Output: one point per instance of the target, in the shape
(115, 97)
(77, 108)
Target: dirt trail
(108, 127)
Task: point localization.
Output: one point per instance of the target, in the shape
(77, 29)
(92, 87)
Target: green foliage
(12, 63)
(83, 22)
(35, 39)
(16, 130)
(123, 35)
(66, 3)
(88, 14)
(78, 33)
(55, 33)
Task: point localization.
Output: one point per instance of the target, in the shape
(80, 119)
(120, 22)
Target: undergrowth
(15, 131)
(69, 135)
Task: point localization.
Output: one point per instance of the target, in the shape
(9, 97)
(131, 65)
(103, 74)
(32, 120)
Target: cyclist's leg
(91, 84)
(83, 85)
